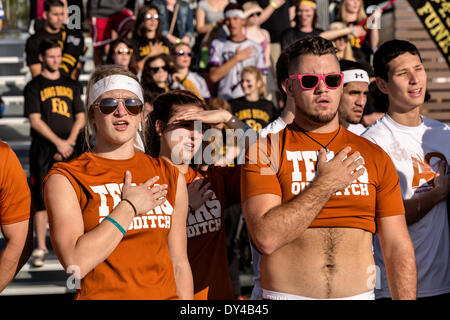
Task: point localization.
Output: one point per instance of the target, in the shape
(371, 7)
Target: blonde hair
(262, 92)
(101, 72)
(342, 13)
(348, 51)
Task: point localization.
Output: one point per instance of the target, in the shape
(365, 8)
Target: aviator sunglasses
(311, 81)
(126, 51)
(109, 105)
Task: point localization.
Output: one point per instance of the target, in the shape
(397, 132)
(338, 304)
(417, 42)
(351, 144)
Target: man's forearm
(402, 272)
(416, 208)
(45, 131)
(11, 261)
(219, 72)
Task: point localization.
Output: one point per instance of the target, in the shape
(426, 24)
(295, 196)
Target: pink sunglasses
(311, 81)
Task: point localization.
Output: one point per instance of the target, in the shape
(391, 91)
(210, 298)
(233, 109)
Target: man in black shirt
(70, 40)
(56, 113)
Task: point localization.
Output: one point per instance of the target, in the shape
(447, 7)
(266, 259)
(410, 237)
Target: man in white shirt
(229, 56)
(419, 148)
(354, 97)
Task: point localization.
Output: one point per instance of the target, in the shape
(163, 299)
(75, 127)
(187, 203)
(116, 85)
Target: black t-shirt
(257, 114)
(279, 21)
(70, 40)
(294, 34)
(32, 45)
(58, 101)
(141, 47)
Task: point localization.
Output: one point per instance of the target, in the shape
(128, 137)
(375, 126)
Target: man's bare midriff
(322, 263)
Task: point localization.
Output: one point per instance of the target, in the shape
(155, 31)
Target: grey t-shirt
(211, 17)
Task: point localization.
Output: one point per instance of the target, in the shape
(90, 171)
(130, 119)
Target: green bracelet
(114, 222)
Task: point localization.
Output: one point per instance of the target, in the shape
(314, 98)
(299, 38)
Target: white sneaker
(38, 257)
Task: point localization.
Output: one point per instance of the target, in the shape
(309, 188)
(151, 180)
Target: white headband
(235, 13)
(114, 82)
(356, 75)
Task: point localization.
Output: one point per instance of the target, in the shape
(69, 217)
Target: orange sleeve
(15, 199)
(259, 173)
(389, 201)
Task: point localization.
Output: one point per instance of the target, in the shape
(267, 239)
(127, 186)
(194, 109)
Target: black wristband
(132, 205)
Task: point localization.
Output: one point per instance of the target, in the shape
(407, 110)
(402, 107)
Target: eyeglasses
(156, 69)
(109, 105)
(180, 53)
(150, 16)
(255, 14)
(126, 51)
(311, 81)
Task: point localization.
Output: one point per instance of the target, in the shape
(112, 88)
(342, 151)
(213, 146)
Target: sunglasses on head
(180, 53)
(311, 81)
(156, 69)
(126, 51)
(109, 105)
(150, 16)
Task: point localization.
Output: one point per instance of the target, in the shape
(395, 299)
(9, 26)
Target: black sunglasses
(255, 14)
(109, 105)
(190, 125)
(180, 53)
(156, 69)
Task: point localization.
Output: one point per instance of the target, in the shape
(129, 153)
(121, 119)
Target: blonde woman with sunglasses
(117, 216)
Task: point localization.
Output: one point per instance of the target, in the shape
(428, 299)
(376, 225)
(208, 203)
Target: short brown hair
(317, 46)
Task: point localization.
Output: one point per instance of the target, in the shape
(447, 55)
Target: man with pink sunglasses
(313, 203)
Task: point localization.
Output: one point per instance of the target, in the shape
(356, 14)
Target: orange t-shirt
(207, 247)
(15, 200)
(375, 193)
(140, 267)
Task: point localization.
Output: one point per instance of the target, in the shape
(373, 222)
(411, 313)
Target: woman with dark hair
(174, 136)
(121, 53)
(148, 40)
(157, 76)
